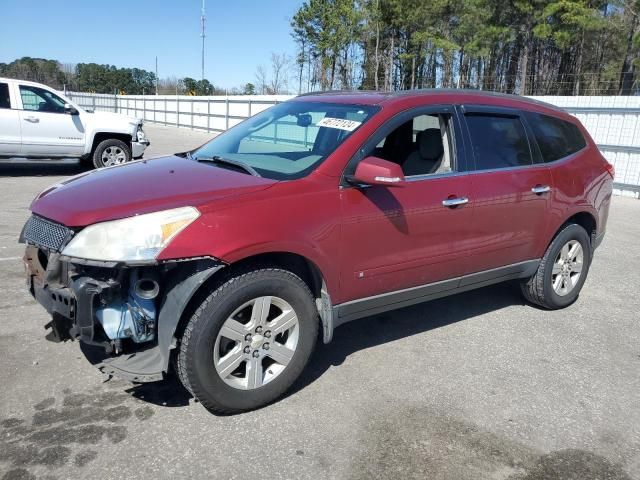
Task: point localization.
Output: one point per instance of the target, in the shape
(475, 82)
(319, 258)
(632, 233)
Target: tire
(232, 392)
(539, 289)
(117, 151)
(181, 373)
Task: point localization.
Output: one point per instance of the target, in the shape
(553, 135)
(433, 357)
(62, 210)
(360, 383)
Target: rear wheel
(248, 341)
(562, 271)
(111, 152)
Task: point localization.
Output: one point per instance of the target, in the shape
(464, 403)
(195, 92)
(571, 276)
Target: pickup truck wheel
(248, 341)
(562, 271)
(111, 152)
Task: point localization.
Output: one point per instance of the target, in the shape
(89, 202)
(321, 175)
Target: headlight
(139, 238)
(140, 134)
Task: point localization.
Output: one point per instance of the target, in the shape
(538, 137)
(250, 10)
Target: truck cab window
(40, 100)
(5, 100)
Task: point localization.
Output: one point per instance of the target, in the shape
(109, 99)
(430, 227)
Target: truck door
(47, 129)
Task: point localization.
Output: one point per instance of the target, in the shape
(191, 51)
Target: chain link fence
(612, 121)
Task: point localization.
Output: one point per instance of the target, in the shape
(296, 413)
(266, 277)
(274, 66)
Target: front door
(46, 129)
(396, 238)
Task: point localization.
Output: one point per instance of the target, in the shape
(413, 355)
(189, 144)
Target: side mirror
(70, 110)
(376, 171)
(303, 120)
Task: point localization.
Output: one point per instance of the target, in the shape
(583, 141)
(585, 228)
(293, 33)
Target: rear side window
(5, 101)
(498, 141)
(556, 138)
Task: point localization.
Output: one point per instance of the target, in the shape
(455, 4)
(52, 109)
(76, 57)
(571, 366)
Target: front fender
(305, 250)
(107, 123)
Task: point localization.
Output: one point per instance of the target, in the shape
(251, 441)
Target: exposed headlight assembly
(134, 239)
(140, 135)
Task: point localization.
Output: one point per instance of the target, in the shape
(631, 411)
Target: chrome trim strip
(429, 176)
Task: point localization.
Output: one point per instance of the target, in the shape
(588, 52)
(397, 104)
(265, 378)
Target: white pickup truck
(38, 122)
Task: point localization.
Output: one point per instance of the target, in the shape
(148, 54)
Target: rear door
(9, 122)
(397, 238)
(510, 189)
(46, 128)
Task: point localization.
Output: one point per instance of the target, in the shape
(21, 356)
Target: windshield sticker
(339, 123)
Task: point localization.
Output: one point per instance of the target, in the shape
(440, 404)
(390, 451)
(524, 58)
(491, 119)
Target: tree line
(530, 47)
(96, 78)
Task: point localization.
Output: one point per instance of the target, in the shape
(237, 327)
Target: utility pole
(202, 22)
(156, 75)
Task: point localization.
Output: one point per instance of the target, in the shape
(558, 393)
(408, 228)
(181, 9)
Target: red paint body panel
(364, 241)
(402, 237)
(508, 218)
(271, 222)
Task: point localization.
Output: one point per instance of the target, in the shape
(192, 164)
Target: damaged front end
(124, 314)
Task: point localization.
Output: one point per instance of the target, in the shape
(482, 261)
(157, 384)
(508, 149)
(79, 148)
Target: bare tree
(169, 86)
(280, 63)
(261, 79)
(69, 71)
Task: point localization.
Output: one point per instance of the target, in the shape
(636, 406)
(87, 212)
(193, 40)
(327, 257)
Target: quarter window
(498, 141)
(556, 138)
(5, 100)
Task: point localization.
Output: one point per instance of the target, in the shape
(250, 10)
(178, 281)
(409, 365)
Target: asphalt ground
(475, 386)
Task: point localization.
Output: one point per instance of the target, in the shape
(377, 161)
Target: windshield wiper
(227, 161)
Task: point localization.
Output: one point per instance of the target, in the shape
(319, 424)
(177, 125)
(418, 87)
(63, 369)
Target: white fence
(613, 122)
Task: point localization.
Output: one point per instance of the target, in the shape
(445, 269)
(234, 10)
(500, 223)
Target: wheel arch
(585, 218)
(101, 136)
(587, 221)
(296, 263)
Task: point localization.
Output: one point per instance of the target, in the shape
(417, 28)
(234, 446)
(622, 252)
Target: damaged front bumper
(125, 315)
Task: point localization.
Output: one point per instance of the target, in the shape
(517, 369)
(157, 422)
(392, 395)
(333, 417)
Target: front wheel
(562, 271)
(111, 152)
(248, 341)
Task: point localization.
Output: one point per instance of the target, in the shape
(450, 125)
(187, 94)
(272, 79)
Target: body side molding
(365, 307)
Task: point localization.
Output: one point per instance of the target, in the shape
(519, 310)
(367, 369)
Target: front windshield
(288, 140)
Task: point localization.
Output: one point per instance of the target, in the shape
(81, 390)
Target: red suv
(225, 262)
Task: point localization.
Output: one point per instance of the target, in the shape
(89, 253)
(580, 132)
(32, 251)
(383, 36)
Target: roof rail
(342, 92)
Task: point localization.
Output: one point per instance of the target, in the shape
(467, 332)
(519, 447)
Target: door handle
(454, 202)
(32, 119)
(540, 189)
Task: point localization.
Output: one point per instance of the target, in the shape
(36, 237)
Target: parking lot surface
(475, 386)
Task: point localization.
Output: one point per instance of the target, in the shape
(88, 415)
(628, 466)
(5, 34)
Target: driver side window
(421, 146)
(40, 100)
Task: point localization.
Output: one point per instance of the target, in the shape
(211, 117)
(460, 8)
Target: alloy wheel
(567, 268)
(113, 156)
(256, 342)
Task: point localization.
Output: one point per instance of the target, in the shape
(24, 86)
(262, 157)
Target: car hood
(113, 118)
(141, 187)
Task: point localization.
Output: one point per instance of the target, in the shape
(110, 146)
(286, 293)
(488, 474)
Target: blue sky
(241, 34)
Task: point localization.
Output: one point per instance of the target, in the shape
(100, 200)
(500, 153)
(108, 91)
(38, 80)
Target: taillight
(610, 168)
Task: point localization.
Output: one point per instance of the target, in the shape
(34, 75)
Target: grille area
(44, 233)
